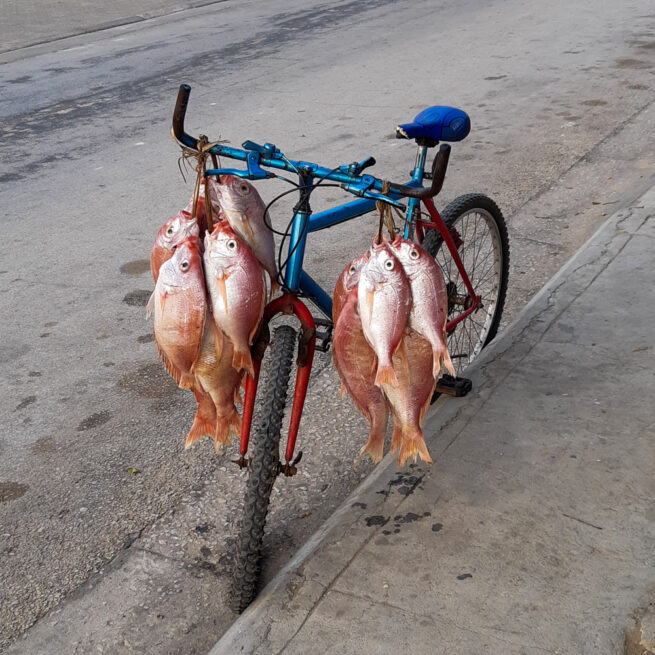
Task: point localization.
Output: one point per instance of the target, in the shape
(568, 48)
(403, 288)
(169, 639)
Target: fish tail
(413, 445)
(201, 427)
(204, 422)
(237, 396)
(386, 375)
(448, 363)
(235, 423)
(375, 444)
(242, 360)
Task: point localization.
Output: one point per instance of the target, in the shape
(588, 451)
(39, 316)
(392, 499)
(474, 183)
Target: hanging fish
(355, 361)
(410, 399)
(216, 376)
(172, 233)
(348, 280)
(244, 210)
(180, 307)
(383, 303)
(429, 310)
(237, 291)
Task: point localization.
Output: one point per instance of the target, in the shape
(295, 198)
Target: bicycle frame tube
(304, 222)
(295, 277)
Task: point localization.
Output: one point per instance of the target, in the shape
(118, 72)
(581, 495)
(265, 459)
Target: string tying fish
(386, 218)
(197, 160)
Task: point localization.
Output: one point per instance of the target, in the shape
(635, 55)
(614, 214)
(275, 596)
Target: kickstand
(452, 386)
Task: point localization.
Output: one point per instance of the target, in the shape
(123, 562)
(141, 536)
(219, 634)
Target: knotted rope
(197, 160)
(386, 218)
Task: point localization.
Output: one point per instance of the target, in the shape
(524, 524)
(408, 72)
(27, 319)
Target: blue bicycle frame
(304, 222)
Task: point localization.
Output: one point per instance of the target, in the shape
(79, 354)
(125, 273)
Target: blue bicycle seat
(438, 123)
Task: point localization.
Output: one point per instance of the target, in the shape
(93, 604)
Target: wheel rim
(481, 254)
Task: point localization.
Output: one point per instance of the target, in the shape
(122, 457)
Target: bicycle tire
(489, 279)
(263, 470)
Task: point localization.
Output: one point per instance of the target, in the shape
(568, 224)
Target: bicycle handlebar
(273, 158)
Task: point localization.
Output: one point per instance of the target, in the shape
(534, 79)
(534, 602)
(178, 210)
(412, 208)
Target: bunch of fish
(209, 297)
(389, 311)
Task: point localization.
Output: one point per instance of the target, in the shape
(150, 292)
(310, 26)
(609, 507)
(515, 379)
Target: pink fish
(215, 374)
(348, 279)
(355, 361)
(411, 398)
(244, 209)
(180, 307)
(172, 233)
(237, 290)
(429, 299)
(383, 302)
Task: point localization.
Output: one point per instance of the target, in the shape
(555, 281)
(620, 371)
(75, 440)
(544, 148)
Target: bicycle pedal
(452, 386)
(324, 336)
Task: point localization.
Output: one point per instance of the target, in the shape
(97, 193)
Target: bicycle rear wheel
(479, 230)
(263, 470)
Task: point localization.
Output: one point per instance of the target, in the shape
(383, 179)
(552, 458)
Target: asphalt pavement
(534, 529)
(112, 537)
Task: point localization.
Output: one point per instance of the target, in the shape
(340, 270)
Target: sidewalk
(534, 530)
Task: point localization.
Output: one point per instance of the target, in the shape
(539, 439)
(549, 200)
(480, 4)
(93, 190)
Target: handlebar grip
(178, 118)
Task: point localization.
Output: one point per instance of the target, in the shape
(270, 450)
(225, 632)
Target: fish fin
(396, 437)
(187, 381)
(386, 375)
(403, 361)
(370, 295)
(222, 432)
(426, 405)
(204, 422)
(150, 307)
(447, 362)
(375, 444)
(242, 360)
(343, 389)
(247, 228)
(413, 445)
(222, 292)
(173, 370)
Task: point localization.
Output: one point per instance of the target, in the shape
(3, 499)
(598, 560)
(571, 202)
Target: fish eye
(184, 265)
(232, 244)
(389, 264)
(170, 231)
(413, 253)
(352, 270)
(244, 188)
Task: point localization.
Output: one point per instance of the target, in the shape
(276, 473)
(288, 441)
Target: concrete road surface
(105, 522)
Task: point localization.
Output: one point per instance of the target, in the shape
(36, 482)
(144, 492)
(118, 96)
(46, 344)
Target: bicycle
(468, 239)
